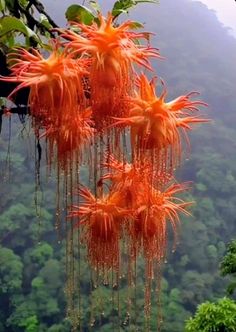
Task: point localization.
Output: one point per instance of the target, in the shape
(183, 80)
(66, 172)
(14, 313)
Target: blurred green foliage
(220, 315)
(217, 317)
(228, 266)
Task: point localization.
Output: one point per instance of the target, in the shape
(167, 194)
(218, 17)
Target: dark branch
(20, 110)
(32, 22)
(40, 8)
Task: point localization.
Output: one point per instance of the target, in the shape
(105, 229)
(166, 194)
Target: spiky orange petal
(55, 82)
(101, 219)
(156, 125)
(68, 135)
(113, 51)
(149, 229)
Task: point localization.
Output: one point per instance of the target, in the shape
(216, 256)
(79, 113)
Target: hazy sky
(226, 11)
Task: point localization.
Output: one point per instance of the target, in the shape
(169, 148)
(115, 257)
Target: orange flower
(149, 230)
(101, 219)
(55, 82)
(131, 180)
(69, 135)
(156, 125)
(152, 208)
(123, 173)
(113, 51)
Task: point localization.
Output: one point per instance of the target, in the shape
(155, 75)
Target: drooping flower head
(101, 220)
(152, 202)
(113, 51)
(154, 205)
(69, 135)
(132, 176)
(149, 229)
(122, 173)
(156, 125)
(132, 180)
(54, 82)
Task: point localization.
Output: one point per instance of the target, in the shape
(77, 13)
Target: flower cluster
(92, 102)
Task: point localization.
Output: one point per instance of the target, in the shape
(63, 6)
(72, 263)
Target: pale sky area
(225, 10)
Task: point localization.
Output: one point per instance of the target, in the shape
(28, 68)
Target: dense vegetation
(32, 262)
(220, 315)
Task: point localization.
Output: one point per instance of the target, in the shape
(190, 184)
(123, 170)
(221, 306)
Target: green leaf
(122, 6)
(231, 288)
(24, 3)
(11, 40)
(46, 47)
(31, 324)
(79, 14)
(10, 4)
(2, 5)
(44, 21)
(136, 25)
(10, 24)
(95, 5)
(3, 101)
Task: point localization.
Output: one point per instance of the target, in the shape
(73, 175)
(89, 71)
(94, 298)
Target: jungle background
(200, 55)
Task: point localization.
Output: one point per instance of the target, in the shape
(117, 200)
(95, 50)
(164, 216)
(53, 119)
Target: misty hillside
(199, 56)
